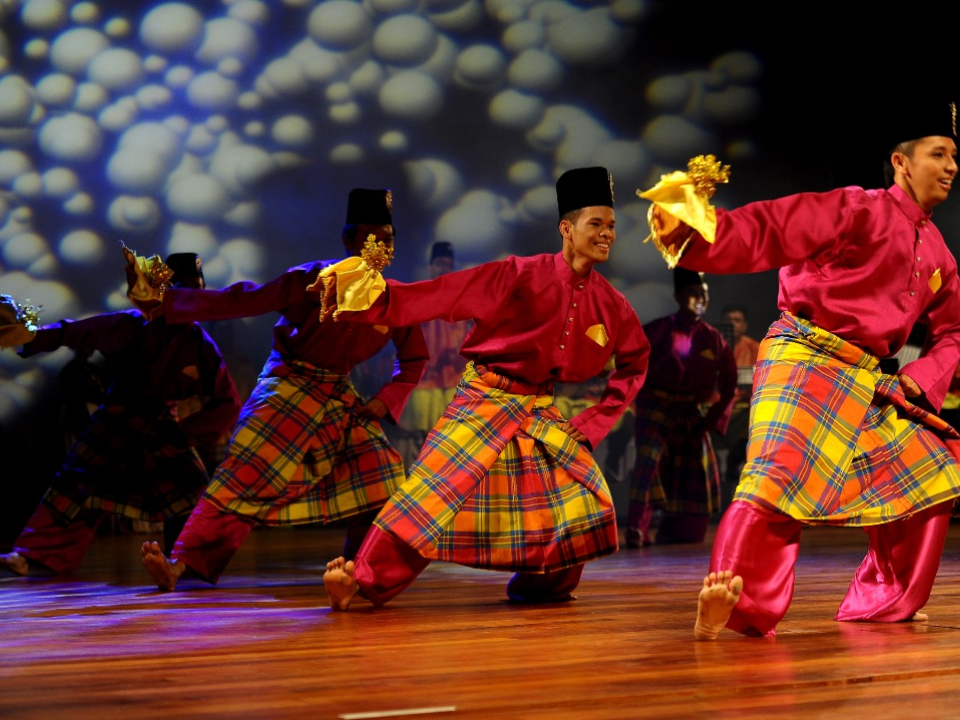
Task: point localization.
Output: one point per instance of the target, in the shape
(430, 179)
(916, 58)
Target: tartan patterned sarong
(132, 460)
(300, 455)
(832, 440)
(498, 485)
(675, 469)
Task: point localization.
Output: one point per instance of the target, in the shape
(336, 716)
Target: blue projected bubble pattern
(160, 123)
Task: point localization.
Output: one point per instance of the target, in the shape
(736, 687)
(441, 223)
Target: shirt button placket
(566, 332)
(916, 274)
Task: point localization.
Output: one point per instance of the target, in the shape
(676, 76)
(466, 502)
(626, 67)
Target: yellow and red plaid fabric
(676, 468)
(498, 484)
(833, 440)
(300, 455)
(132, 460)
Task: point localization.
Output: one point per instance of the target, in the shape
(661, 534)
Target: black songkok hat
(584, 187)
(441, 250)
(683, 278)
(185, 266)
(370, 207)
(922, 118)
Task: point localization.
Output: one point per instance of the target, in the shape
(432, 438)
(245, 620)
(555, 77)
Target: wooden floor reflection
(262, 644)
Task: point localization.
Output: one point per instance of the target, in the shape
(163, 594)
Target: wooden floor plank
(262, 644)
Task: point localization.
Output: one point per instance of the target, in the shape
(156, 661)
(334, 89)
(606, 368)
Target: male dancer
(504, 482)
(833, 440)
(676, 467)
(138, 457)
(307, 447)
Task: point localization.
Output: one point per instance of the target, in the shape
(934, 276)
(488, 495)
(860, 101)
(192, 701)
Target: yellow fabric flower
(349, 285)
(685, 197)
(147, 279)
(352, 284)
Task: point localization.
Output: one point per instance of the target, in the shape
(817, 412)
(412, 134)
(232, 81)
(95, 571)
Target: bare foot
(920, 617)
(15, 563)
(636, 539)
(720, 593)
(164, 572)
(340, 583)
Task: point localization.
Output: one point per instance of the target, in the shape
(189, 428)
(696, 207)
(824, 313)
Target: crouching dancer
(832, 439)
(307, 447)
(138, 457)
(504, 482)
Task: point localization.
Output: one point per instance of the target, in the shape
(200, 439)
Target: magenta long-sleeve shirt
(536, 321)
(299, 334)
(865, 265)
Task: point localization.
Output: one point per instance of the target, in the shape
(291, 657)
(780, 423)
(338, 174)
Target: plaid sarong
(499, 485)
(676, 469)
(833, 440)
(299, 454)
(132, 460)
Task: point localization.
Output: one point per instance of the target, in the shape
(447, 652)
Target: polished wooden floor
(104, 644)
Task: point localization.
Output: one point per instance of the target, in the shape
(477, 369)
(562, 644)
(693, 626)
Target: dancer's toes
(340, 583)
(164, 572)
(720, 592)
(15, 563)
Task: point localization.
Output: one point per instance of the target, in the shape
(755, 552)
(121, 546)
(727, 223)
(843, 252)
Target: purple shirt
(153, 361)
(692, 358)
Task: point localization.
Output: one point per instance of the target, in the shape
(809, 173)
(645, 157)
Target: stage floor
(106, 644)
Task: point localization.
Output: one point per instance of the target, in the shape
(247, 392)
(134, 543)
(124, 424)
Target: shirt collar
(916, 214)
(567, 275)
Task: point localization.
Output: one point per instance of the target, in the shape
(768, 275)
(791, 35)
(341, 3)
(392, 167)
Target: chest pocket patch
(935, 282)
(598, 333)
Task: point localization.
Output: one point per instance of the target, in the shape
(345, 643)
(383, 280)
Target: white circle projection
(176, 126)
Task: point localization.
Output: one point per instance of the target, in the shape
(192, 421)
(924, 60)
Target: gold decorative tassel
(375, 254)
(149, 279)
(683, 197)
(18, 322)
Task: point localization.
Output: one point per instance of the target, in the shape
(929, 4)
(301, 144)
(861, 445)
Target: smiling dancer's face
(927, 173)
(693, 300)
(589, 239)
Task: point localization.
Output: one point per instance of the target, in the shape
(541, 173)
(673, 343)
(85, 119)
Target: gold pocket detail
(598, 333)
